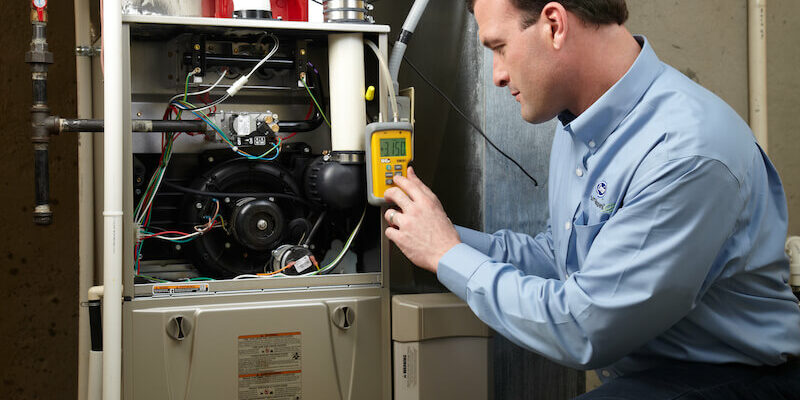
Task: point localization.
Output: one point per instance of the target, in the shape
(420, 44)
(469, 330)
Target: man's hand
(420, 228)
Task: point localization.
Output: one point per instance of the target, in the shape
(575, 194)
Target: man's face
(524, 58)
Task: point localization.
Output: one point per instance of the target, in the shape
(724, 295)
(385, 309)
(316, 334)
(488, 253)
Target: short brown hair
(599, 12)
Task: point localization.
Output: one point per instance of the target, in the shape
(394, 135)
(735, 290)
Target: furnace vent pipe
(346, 80)
(112, 199)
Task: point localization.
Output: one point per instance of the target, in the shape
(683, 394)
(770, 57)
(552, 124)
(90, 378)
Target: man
(663, 265)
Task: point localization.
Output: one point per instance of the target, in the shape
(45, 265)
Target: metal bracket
(87, 51)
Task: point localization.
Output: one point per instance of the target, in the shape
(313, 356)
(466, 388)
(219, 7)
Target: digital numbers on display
(393, 147)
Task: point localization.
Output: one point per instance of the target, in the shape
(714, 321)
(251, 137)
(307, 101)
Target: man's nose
(499, 74)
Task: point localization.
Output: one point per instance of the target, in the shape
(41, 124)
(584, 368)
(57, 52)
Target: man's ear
(555, 24)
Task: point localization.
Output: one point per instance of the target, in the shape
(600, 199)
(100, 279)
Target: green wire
(315, 102)
(151, 278)
(200, 278)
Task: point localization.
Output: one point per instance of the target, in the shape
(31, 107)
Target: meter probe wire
(387, 77)
(468, 120)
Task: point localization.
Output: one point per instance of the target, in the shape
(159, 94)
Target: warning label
(270, 366)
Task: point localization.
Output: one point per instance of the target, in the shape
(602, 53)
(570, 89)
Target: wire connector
(237, 86)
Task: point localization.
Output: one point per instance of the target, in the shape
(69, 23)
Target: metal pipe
(757, 69)
(113, 156)
(39, 58)
(138, 125)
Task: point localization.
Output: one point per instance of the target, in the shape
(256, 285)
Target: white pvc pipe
(95, 384)
(346, 80)
(112, 199)
(83, 69)
(757, 67)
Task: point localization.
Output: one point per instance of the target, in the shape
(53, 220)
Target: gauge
(40, 3)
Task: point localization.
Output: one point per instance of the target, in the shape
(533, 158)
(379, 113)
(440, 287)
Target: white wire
(173, 238)
(270, 54)
(204, 91)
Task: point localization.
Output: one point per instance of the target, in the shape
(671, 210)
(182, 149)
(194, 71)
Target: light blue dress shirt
(665, 242)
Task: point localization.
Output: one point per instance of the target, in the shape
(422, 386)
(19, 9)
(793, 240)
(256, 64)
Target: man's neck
(606, 54)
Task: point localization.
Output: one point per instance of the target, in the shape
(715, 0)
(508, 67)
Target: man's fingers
(414, 188)
(391, 216)
(392, 233)
(397, 197)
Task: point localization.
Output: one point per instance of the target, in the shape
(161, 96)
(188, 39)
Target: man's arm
(644, 271)
(531, 255)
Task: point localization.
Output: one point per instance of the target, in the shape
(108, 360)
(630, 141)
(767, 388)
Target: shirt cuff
(477, 240)
(457, 266)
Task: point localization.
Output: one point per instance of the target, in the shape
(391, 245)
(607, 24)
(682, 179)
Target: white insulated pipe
(757, 68)
(346, 81)
(83, 69)
(112, 199)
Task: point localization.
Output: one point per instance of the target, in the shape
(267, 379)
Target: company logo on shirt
(600, 189)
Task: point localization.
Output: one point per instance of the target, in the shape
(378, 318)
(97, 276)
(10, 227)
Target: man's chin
(535, 118)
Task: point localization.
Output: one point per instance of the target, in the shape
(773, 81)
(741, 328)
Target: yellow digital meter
(389, 148)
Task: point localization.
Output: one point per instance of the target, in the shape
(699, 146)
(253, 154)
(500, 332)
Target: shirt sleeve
(531, 255)
(643, 272)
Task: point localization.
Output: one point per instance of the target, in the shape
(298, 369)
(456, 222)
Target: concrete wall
(38, 265)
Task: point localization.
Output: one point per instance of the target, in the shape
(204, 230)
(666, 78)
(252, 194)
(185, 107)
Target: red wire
(308, 114)
(165, 233)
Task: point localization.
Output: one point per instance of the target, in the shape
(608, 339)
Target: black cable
(235, 195)
(473, 124)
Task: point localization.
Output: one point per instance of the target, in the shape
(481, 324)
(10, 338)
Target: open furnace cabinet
(197, 323)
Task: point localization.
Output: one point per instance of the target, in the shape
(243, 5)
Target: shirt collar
(595, 124)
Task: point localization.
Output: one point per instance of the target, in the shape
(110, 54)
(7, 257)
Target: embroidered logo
(600, 189)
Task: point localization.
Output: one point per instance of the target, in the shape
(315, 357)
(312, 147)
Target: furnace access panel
(255, 265)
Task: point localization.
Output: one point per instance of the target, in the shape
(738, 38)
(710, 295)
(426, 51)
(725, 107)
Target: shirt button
(579, 172)
(568, 225)
(592, 143)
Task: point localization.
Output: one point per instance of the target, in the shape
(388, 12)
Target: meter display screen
(393, 147)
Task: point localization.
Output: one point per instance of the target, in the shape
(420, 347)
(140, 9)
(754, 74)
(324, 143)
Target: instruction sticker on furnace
(270, 366)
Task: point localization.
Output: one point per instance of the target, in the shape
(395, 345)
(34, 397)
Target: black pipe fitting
(96, 325)
(41, 122)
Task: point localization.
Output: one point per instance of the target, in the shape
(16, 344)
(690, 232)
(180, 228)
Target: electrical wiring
(202, 92)
(345, 248)
(268, 56)
(237, 195)
(315, 102)
(324, 270)
(183, 105)
(387, 76)
(469, 121)
(151, 278)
